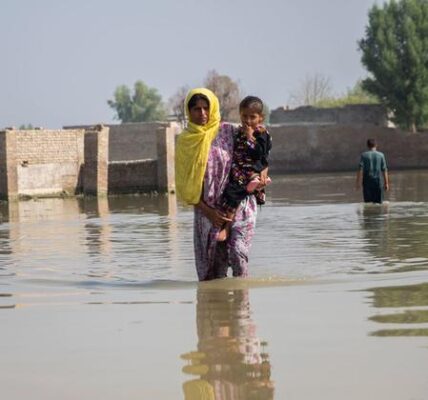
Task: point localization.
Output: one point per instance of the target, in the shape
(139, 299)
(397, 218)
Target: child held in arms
(249, 172)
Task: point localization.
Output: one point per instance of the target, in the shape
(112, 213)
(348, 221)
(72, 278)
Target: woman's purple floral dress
(213, 258)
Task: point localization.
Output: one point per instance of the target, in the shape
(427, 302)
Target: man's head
(371, 144)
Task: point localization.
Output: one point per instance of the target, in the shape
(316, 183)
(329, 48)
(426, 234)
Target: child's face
(251, 118)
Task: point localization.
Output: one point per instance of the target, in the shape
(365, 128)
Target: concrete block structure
(311, 139)
(140, 156)
(95, 171)
(8, 165)
(40, 162)
(323, 148)
(93, 160)
(165, 145)
(136, 158)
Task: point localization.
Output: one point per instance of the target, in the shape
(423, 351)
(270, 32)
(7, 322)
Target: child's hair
(195, 98)
(252, 102)
(371, 143)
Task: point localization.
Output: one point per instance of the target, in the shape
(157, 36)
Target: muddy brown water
(99, 299)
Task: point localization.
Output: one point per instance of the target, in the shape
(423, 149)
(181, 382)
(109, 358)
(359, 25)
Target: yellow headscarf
(193, 147)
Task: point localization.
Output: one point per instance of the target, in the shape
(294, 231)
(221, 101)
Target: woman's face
(199, 113)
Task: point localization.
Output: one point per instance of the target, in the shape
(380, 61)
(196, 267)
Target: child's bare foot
(222, 235)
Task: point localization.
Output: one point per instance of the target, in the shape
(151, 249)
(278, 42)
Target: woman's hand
(216, 217)
(263, 178)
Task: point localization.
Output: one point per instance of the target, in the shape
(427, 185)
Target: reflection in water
(9, 211)
(123, 238)
(409, 185)
(97, 226)
(401, 332)
(397, 235)
(230, 361)
(399, 297)
(407, 317)
(143, 228)
(161, 204)
(4, 242)
(374, 221)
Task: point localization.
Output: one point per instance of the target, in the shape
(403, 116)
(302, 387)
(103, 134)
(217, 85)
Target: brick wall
(49, 146)
(141, 156)
(42, 162)
(76, 160)
(133, 141)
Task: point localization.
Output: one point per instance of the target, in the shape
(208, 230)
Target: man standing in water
(373, 174)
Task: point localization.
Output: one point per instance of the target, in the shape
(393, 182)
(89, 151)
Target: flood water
(99, 299)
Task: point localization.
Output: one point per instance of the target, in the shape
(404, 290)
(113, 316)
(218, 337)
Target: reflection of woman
(229, 359)
(203, 162)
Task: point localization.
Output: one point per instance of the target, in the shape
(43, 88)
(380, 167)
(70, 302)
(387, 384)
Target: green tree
(144, 104)
(356, 95)
(395, 52)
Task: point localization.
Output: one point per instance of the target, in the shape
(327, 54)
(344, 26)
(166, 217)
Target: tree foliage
(143, 104)
(395, 52)
(228, 93)
(356, 95)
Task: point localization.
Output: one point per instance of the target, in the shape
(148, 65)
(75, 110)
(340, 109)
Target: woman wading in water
(203, 162)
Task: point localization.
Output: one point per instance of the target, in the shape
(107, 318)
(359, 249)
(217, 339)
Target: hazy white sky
(61, 60)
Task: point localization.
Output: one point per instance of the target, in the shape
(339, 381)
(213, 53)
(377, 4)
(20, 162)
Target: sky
(62, 60)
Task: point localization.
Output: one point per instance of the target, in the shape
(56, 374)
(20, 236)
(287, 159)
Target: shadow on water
(401, 297)
(230, 361)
